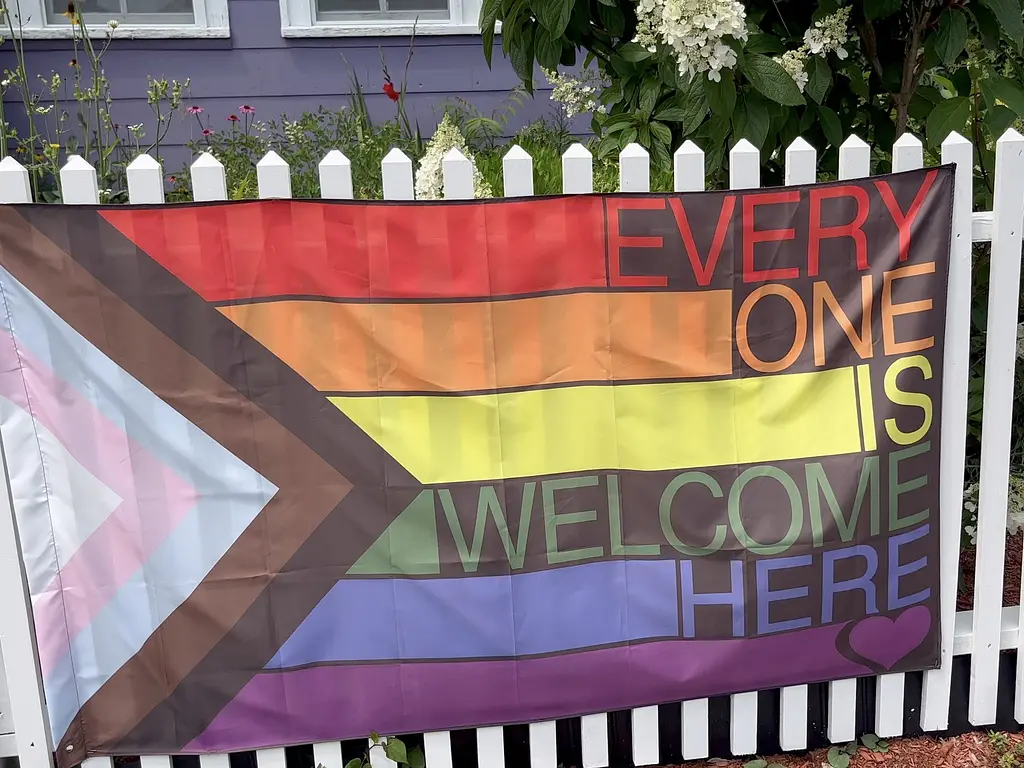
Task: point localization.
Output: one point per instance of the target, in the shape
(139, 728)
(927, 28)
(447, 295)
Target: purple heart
(885, 641)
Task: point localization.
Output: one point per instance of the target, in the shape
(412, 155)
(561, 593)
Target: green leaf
(661, 132)
(851, 748)
(612, 94)
(606, 146)
(831, 126)
(395, 750)
(988, 27)
(616, 123)
(628, 137)
(869, 740)
(1007, 13)
(374, 737)
(751, 121)
(819, 78)
(548, 49)
(553, 14)
(649, 93)
(951, 36)
(998, 119)
(489, 10)
(521, 55)
(611, 19)
(762, 43)
(662, 158)
(756, 763)
(634, 53)
(768, 77)
(355, 762)
(880, 9)
(416, 758)
(950, 115)
(671, 115)
(1005, 90)
(842, 761)
(722, 94)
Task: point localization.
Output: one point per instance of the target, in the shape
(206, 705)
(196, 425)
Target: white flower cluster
(429, 176)
(695, 29)
(825, 36)
(1014, 507)
(577, 95)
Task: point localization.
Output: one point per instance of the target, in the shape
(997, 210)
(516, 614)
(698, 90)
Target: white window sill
(128, 32)
(380, 29)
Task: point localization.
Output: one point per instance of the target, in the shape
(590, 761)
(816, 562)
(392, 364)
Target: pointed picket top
(577, 170)
(1010, 136)
(517, 170)
(907, 153)
(15, 186)
(396, 175)
(634, 169)
(335, 176)
(954, 139)
(457, 173)
(273, 176)
(145, 181)
(801, 162)
(854, 158)
(744, 166)
(209, 182)
(688, 167)
(78, 185)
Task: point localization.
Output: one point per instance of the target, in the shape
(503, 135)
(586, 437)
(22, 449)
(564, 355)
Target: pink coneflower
(233, 118)
(245, 109)
(207, 131)
(194, 110)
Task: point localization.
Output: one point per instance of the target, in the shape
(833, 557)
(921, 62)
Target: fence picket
(543, 745)
(437, 748)
(78, 184)
(744, 173)
(327, 754)
(158, 761)
(688, 168)
(457, 171)
(15, 186)
(696, 744)
(378, 756)
(145, 181)
(645, 736)
(98, 762)
(953, 435)
(270, 758)
(854, 163)
(273, 177)
(209, 182)
(634, 169)
(801, 168)
(577, 170)
(517, 171)
(335, 172)
(219, 760)
(1000, 360)
(490, 747)
(594, 740)
(396, 176)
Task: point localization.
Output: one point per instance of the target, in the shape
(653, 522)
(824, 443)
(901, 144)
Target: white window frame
(298, 19)
(211, 21)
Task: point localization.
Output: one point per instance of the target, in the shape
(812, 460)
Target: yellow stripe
(867, 408)
(638, 426)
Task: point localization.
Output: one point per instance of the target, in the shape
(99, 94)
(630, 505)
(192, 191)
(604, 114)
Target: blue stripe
(487, 616)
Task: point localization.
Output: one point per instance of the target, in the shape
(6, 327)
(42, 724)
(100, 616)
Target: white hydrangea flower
(696, 30)
(429, 176)
(795, 63)
(828, 35)
(577, 95)
(1014, 507)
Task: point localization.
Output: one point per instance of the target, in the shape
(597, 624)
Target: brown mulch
(1011, 574)
(972, 750)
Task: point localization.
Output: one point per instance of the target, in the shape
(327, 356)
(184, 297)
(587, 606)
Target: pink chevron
(121, 543)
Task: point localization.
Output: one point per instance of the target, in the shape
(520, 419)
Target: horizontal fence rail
(980, 634)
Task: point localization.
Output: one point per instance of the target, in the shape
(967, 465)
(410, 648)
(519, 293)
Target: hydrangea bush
(716, 71)
(429, 174)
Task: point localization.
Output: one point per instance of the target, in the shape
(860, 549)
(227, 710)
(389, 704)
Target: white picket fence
(981, 633)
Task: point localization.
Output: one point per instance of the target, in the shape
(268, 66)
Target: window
(327, 18)
(135, 18)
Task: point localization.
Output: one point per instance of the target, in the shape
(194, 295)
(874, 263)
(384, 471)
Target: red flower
(233, 118)
(207, 131)
(194, 110)
(390, 92)
(245, 109)
(172, 179)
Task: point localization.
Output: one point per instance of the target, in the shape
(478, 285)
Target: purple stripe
(340, 702)
(478, 617)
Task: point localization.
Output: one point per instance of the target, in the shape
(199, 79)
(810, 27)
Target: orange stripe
(451, 347)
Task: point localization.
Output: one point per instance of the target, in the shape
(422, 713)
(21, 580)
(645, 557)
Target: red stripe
(284, 247)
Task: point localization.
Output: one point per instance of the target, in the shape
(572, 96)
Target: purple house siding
(278, 76)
